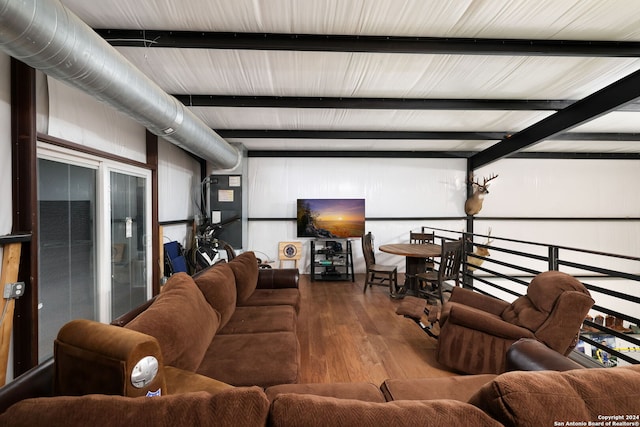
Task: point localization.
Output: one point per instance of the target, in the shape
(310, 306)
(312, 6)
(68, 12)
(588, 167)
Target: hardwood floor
(350, 336)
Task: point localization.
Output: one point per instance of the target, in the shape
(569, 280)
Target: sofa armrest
(482, 321)
(477, 300)
(36, 382)
(278, 278)
(529, 354)
(92, 357)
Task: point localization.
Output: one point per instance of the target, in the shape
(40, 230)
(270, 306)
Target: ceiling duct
(45, 35)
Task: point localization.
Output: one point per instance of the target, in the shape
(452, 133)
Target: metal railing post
(553, 257)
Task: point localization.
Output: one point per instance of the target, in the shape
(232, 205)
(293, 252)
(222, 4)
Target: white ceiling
(348, 74)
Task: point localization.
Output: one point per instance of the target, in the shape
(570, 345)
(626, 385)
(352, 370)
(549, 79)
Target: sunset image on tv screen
(330, 218)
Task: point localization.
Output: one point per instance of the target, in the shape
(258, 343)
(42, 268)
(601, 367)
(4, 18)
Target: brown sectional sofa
(230, 325)
(517, 398)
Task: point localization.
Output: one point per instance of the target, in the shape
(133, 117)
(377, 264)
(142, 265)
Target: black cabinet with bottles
(331, 259)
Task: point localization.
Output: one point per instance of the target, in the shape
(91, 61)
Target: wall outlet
(13, 290)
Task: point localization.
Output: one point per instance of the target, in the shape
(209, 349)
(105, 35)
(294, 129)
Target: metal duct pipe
(45, 35)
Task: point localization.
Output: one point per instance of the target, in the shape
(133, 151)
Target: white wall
(179, 187)
(77, 117)
(391, 188)
(536, 188)
(436, 188)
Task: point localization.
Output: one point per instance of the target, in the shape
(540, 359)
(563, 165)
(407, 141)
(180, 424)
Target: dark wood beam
(607, 99)
(414, 135)
(25, 211)
(151, 141)
(349, 134)
(378, 44)
(435, 154)
(373, 103)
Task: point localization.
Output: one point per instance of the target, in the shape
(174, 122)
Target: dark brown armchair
(476, 330)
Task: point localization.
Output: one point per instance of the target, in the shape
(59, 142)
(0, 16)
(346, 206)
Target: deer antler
(486, 180)
(489, 239)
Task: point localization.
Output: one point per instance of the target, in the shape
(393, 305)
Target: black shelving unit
(331, 259)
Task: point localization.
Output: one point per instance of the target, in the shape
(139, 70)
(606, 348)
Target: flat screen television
(330, 218)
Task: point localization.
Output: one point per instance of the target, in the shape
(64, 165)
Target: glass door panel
(128, 242)
(66, 247)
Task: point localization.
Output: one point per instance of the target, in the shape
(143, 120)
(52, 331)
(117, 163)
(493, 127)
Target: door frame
(104, 168)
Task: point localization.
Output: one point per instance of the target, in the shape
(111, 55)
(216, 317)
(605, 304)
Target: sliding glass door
(128, 240)
(67, 248)
(94, 241)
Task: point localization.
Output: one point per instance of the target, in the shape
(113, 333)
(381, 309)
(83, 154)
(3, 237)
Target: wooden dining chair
(377, 274)
(432, 283)
(420, 239)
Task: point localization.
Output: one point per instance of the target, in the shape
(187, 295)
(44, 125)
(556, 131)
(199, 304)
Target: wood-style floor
(347, 335)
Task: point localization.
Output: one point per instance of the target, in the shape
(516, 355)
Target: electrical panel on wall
(227, 207)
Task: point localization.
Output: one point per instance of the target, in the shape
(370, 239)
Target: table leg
(413, 266)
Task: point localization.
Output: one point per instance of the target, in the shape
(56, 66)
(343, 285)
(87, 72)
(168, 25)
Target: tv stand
(331, 259)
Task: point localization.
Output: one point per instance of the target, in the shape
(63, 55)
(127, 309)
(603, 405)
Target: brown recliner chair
(476, 330)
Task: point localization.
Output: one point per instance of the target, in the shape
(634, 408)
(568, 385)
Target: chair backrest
(367, 249)
(450, 260)
(421, 238)
(231, 253)
(175, 261)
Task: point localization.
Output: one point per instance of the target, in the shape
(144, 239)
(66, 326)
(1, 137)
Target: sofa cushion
(182, 322)
(245, 269)
(262, 359)
(240, 406)
(269, 297)
(249, 320)
(309, 411)
(367, 392)
(459, 387)
(218, 284)
(180, 381)
(542, 398)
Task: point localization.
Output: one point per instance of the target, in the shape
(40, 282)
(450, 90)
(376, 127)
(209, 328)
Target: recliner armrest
(278, 278)
(529, 354)
(477, 300)
(482, 321)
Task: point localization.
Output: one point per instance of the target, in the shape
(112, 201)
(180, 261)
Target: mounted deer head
(473, 262)
(473, 205)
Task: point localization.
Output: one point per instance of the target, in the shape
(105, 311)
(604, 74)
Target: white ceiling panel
(608, 147)
(569, 61)
(546, 19)
(337, 74)
(363, 120)
(617, 121)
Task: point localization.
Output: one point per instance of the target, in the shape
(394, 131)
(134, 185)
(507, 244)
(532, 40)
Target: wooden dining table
(416, 255)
